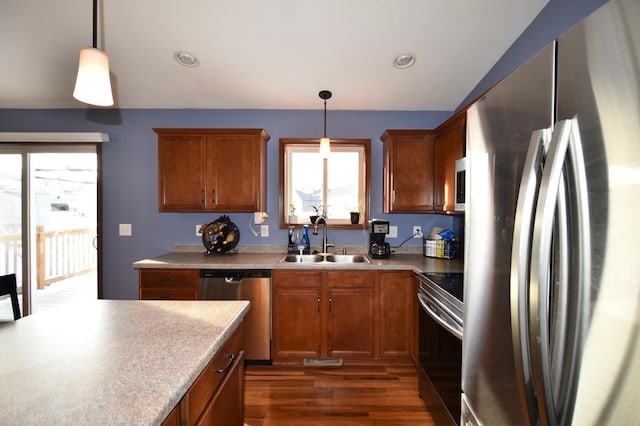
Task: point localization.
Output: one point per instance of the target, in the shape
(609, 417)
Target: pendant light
(93, 83)
(325, 142)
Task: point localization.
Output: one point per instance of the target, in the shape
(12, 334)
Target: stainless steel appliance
(461, 175)
(440, 330)
(552, 286)
(378, 248)
(253, 285)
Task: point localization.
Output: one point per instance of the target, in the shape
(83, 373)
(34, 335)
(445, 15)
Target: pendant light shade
(325, 147)
(325, 142)
(93, 82)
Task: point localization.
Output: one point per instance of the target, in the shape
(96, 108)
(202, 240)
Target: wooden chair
(8, 286)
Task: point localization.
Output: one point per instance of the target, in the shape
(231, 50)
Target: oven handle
(440, 314)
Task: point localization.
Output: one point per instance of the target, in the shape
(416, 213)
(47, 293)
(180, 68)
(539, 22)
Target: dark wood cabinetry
(408, 171)
(449, 144)
(396, 295)
(296, 318)
(322, 314)
(351, 314)
(355, 315)
(212, 170)
(217, 395)
(168, 284)
(419, 167)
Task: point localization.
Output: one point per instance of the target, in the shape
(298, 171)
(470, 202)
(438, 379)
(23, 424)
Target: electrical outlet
(264, 231)
(417, 231)
(125, 230)
(393, 232)
(198, 233)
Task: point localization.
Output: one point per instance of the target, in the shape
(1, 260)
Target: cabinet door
(296, 328)
(351, 322)
(181, 173)
(408, 171)
(234, 173)
(449, 146)
(227, 406)
(350, 314)
(396, 296)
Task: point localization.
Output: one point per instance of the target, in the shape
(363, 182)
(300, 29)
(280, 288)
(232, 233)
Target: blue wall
(130, 159)
(556, 18)
(130, 170)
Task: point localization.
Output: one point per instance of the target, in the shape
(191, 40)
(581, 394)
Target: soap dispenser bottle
(305, 239)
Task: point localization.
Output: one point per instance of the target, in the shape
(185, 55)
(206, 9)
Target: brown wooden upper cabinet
(449, 144)
(419, 167)
(212, 170)
(408, 171)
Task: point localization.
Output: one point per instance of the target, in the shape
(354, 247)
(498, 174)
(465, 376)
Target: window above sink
(335, 186)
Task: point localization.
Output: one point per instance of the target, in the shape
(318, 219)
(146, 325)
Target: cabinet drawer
(168, 294)
(350, 279)
(169, 278)
(207, 383)
(297, 279)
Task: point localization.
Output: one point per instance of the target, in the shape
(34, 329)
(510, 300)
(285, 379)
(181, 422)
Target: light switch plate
(393, 232)
(125, 230)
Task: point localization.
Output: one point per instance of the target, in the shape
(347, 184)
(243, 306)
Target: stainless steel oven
(440, 328)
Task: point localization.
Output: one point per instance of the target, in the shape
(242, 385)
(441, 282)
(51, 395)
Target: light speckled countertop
(108, 362)
(195, 259)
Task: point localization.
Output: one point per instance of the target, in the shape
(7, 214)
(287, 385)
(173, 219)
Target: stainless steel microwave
(461, 172)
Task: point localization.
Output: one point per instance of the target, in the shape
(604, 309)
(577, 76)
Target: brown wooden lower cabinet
(355, 315)
(395, 290)
(217, 395)
(168, 284)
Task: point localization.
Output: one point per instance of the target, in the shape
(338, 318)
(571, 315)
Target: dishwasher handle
(235, 275)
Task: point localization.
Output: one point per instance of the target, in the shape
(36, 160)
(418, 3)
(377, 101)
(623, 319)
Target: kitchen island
(109, 361)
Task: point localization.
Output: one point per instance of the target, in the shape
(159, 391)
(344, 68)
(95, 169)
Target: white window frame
(289, 146)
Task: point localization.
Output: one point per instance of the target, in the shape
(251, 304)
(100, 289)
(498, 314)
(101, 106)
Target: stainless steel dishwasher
(253, 285)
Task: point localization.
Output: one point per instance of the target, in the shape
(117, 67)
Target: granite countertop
(112, 362)
(195, 259)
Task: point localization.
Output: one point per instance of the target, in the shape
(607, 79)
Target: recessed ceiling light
(186, 59)
(404, 60)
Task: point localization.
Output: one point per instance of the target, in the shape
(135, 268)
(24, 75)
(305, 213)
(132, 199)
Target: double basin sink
(325, 258)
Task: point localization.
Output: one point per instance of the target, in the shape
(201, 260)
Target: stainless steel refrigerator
(552, 229)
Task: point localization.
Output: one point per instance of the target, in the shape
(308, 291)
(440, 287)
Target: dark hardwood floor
(347, 395)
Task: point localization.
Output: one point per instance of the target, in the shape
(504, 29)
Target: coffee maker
(378, 249)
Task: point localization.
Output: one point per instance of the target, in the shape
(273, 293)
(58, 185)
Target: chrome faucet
(317, 223)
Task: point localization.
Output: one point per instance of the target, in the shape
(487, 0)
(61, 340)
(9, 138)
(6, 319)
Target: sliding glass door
(48, 223)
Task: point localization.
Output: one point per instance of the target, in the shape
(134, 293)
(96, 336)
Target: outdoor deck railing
(60, 254)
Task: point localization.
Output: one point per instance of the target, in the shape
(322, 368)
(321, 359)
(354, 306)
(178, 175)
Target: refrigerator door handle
(520, 256)
(558, 382)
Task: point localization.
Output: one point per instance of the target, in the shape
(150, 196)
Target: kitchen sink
(325, 258)
(346, 258)
(302, 258)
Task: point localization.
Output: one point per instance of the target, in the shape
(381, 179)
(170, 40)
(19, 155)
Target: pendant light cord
(95, 24)
(325, 118)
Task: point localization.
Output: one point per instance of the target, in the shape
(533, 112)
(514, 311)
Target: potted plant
(292, 214)
(355, 216)
(355, 213)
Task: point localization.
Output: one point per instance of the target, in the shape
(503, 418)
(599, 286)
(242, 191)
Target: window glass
(335, 186)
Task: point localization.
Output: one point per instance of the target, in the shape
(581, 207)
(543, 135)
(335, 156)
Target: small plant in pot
(292, 214)
(355, 217)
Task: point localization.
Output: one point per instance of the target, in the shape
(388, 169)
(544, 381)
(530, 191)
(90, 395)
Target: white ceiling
(275, 54)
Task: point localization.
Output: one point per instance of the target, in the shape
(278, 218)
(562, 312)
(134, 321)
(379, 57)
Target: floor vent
(322, 362)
